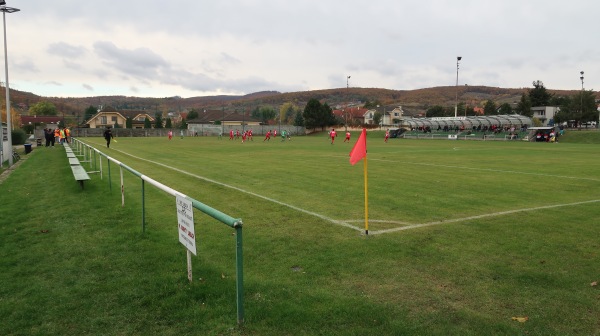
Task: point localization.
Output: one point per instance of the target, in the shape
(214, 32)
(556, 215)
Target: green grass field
(464, 236)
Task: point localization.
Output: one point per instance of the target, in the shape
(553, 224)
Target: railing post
(143, 206)
(239, 259)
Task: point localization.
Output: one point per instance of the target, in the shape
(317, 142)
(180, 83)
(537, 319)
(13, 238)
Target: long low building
(470, 122)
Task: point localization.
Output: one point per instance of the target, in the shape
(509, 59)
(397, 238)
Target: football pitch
(465, 238)
(411, 184)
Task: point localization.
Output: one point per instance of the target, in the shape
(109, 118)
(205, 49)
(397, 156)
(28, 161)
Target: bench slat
(80, 173)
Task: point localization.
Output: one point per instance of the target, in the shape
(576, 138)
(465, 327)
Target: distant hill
(412, 100)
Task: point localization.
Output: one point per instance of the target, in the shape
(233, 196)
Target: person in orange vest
(57, 135)
(61, 135)
(67, 134)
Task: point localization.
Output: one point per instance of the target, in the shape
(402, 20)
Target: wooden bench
(79, 172)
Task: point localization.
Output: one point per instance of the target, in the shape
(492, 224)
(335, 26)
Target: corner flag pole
(359, 152)
(366, 197)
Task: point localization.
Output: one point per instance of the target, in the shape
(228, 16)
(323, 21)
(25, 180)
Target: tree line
(576, 109)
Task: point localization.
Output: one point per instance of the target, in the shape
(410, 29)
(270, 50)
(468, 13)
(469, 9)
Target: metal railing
(87, 151)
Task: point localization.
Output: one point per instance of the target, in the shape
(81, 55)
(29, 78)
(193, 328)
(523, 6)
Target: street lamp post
(243, 120)
(580, 119)
(222, 120)
(1, 143)
(458, 58)
(5, 10)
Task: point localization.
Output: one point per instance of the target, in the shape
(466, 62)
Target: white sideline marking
(487, 169)
(331, 220)
(414, 226)
(345, 223)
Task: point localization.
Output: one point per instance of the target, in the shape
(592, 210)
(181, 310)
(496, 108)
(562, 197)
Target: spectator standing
(107, 136)
(61, 135)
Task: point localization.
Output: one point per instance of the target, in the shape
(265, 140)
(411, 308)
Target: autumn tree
(490, 108)
(89, 112)
(377, 117)
(539, 96)
(317, 115)
(435, 111)
(524, 106)
(158, 120)
(372, 104)
(298, 121)
(288, 112)
(43, 108)
(264, 113)
(580, 108)
(505, 108)
(193, 114)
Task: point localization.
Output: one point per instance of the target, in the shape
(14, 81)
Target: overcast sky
(148, 48)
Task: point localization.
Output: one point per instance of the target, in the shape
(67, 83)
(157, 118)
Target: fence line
(87, 151)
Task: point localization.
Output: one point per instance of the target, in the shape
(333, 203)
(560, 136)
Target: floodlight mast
(581, 72)
(458, 58)
(5, 10)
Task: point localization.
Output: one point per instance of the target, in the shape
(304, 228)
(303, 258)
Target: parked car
(396, 132)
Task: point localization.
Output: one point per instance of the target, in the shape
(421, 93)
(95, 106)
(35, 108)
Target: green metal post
(109, 181)
(143, 207)
(239, 259)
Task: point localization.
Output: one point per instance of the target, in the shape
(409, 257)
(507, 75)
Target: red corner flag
(359, 150)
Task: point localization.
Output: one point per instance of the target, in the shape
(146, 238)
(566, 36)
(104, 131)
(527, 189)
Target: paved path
(15, 165)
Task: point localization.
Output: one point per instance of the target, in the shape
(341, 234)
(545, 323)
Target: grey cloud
(87, 87)
(54, 83)
(202, 83)
(72, 65)
(226, 58)
(25, 66)
(140, 62)
(66, 50)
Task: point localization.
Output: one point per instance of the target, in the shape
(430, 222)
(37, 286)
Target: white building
(545, 114)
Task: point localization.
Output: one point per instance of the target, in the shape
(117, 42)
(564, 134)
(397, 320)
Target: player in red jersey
(332, 134)
(231, 134)
(387, 135)
(347, 137)
(268, 136)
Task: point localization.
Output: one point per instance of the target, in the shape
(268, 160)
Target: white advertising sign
(185, 221)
